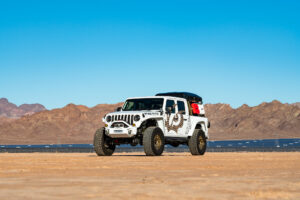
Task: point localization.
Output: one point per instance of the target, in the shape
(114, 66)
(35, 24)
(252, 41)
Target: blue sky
(91, 52)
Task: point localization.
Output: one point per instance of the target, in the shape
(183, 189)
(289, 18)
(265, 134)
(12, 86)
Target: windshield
(143, 104)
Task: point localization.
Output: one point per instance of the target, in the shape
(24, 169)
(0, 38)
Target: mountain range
(11, 110)
(297, 104)
(77, 123)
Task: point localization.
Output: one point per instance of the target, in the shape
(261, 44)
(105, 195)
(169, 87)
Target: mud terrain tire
(197, 143)
(153, 141)
(101, 146)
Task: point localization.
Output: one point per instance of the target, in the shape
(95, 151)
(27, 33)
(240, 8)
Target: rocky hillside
(4, 120)
(77, 124)
(297, 104)
(267, 120)
(71, 124)
(10, 110)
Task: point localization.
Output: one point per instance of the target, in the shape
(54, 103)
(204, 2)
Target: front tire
(153, 141)
(102, 146)
(197, 143)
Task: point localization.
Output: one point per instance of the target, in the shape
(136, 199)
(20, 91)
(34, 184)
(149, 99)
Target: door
(170, 110)
(176, 118)
(184, 114)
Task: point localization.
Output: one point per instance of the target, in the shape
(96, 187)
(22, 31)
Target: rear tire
(102, 146)
(153, 141)
(197, 143)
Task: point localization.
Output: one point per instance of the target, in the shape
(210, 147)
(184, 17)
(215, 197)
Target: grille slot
(126, 118)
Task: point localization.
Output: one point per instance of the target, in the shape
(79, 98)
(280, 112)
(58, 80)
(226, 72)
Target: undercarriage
(133, 141)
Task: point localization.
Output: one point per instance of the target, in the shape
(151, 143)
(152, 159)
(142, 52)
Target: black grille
(125, 118)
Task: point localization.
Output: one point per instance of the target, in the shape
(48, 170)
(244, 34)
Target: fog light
(106, 125)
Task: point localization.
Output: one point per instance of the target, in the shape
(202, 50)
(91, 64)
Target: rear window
(181, 107)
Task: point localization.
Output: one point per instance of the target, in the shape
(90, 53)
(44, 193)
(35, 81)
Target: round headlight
(108, 118)
(137, 118)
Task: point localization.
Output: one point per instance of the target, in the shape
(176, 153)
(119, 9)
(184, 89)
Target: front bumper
(120, 132)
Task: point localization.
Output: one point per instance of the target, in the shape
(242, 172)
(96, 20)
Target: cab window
(170, 103)
(181, 107)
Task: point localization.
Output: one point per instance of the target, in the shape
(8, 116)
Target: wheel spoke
(157, 142)
(201, 143)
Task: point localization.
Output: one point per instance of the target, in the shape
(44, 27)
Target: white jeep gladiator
(168, 118)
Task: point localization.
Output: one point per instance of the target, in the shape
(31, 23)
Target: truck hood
(134, 112)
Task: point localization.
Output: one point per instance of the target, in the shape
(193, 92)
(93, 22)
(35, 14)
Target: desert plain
(256, 175)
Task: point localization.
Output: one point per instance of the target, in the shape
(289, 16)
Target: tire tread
(193, 143)
(99, 144)
(148, 141)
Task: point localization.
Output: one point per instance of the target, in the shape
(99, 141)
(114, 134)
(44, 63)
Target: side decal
(171, 126)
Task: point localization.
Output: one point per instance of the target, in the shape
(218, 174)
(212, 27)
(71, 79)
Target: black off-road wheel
(102, 145)
(197, 143)
(153, 141)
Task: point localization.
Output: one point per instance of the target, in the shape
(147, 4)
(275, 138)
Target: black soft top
(186, 95)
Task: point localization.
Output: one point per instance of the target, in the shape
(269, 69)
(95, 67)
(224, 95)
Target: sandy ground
(135, 176)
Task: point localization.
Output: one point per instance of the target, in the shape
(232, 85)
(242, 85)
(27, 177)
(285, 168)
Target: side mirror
(119, 109)
(168, 110)
(161, 111)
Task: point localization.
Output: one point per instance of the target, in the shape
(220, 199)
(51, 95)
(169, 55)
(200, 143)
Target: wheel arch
(199, 125)
(151, 122)
(158, 121)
